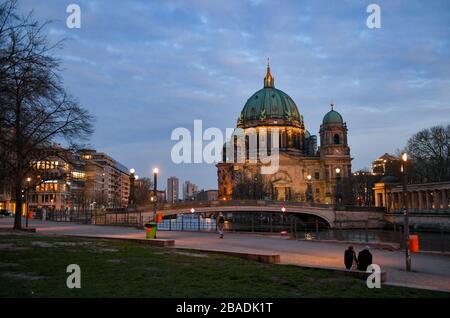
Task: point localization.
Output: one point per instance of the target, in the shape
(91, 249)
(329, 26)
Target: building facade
(189, 190)
(107, 180)
(304, 173)
(73, 181)
(207, 195)
(172, 190)
(421, 197)
(386, 165)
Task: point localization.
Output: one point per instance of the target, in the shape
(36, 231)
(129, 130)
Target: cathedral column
(427, 198)
(420, 200)
(436, 200)
(411, 200)
(445, 199)
(388, 202)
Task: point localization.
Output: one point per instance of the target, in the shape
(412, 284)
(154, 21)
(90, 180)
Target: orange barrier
(159, 217)
(414, 243)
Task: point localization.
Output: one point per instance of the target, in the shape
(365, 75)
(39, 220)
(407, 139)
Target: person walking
(364, 259)
(350, 260)
(220, 224)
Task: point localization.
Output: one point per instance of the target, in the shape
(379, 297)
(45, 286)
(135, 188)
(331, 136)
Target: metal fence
(84, 217)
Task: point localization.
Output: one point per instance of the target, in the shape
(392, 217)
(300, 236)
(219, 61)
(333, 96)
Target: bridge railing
(190, 204)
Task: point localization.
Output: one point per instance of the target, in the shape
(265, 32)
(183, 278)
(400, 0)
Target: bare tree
(363, 182)
(35, 109)
(430, 153)
(143, 191)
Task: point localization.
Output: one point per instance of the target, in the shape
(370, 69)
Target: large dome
(269, 106)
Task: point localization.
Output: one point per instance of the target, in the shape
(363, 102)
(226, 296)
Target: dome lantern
(269, 81)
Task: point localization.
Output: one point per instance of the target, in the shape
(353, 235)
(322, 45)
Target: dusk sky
(144, 68)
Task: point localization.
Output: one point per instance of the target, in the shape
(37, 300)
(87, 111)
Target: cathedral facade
(305, 172)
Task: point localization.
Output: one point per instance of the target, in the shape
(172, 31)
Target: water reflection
(429, 241)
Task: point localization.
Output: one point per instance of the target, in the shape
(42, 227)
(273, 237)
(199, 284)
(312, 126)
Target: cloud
(146, 67)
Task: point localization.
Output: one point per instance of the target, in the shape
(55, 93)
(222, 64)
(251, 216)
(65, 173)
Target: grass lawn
(35, 266)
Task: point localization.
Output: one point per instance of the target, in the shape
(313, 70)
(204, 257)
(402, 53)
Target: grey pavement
(429, 271)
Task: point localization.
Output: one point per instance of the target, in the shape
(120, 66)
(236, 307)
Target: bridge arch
(321, 211)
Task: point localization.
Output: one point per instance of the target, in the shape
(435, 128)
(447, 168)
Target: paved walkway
(429, 271)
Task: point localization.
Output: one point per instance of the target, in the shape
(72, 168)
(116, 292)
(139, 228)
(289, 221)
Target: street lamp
(26, 201)
(283, 209)
(309, 191)
(131, 198)
(338, 179)
(192, 210)
(155, 193)
(404, 159)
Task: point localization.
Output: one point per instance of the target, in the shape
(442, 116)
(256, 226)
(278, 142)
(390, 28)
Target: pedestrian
(364, 259)
(220, 224)
(350, 260)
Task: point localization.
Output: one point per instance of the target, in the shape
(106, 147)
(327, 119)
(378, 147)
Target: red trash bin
(414, 243)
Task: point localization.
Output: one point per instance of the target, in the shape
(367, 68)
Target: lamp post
(155, 193)
(309, 192)
(26, 201)
(131, 198)
(404, 159)
(338, 179)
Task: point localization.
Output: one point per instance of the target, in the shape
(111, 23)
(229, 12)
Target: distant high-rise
(172, 189)
(189, 190)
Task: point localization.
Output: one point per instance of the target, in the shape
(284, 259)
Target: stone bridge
(354, 217)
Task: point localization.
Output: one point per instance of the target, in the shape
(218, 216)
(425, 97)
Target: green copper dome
(332, 117)
(269, 104)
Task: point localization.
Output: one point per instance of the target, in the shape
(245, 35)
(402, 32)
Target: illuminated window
(78, 175)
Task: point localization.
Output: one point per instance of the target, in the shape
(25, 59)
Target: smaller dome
(307, 134)
(332, 117)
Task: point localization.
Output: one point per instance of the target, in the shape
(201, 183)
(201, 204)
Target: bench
(353, 273)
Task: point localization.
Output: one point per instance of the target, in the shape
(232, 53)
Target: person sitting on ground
(350, 260)
(364, 259)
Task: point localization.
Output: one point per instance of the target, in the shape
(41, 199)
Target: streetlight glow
(155, 170)
(308, 177)
(283, 209)
(192, 210)
(405, 157)
(28, 179)
(132, 171)
(338, 170)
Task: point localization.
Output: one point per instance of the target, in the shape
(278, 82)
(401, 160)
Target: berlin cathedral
(306, 173)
